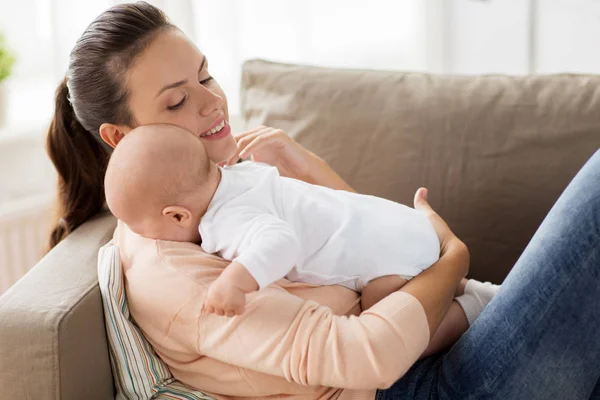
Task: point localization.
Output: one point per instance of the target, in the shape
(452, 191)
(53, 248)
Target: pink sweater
(294, 341)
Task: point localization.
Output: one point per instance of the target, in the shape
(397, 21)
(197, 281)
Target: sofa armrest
(52, 336)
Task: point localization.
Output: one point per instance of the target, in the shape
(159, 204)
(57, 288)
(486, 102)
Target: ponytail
(80, 160)
(96, 94)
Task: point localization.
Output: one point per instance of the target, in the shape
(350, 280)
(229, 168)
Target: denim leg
(539, 338)
(596, 392)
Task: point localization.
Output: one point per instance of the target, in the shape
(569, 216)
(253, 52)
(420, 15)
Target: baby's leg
(379, 288)
(471, 298)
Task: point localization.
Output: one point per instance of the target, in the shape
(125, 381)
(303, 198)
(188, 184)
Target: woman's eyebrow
(171, 86)
(182, 82)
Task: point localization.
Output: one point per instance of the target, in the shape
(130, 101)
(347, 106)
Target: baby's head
(159, 182)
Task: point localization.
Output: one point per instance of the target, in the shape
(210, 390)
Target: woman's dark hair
(93, 92)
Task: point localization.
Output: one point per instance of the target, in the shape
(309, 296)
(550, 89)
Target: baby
(161, 183)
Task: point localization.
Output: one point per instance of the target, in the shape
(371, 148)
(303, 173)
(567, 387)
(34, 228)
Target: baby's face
(157, 182)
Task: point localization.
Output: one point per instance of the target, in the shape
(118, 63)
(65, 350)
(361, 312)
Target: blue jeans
(539, 338)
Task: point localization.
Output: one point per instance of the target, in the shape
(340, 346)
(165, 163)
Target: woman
(536, 340)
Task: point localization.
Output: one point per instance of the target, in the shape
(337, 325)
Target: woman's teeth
(215, 129)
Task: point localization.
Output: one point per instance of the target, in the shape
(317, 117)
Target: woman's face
(170, 83)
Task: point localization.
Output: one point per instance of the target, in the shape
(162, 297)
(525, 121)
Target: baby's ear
(178, 215)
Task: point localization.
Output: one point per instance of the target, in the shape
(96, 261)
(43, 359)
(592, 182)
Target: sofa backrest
(52, 337)
(494, 151)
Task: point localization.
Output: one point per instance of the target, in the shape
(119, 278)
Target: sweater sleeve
(304, 342)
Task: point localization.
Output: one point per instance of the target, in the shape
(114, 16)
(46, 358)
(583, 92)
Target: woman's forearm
(320, 173)
(435, 287)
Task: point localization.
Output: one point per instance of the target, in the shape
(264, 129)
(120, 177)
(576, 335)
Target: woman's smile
(218, 130)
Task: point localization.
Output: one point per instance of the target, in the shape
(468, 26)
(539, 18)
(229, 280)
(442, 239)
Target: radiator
(25, 225)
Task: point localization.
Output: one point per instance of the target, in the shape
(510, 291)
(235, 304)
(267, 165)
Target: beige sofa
(495, 152)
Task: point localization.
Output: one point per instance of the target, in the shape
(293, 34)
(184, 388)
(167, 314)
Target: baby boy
(161, 183)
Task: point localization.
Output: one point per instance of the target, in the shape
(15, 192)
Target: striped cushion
(138, 372)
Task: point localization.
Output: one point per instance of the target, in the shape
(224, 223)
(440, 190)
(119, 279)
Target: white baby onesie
(281, 227)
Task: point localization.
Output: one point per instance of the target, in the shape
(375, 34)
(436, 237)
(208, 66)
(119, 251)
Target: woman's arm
(280, 334)
(277, 148)
(283, 335)
(435, 288)
(320, 173)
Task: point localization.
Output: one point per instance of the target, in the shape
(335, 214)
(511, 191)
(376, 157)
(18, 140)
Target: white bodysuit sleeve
(267, 246)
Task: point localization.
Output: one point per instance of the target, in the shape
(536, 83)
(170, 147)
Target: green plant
(6, 59)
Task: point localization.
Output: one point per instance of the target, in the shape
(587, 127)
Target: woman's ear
(178, 215)
(112, 134)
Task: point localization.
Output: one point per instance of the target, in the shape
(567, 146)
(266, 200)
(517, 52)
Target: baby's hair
(157, 165)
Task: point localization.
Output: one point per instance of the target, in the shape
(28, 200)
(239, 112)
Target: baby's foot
(476, 297)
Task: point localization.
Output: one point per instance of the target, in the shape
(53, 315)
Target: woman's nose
(209, 102)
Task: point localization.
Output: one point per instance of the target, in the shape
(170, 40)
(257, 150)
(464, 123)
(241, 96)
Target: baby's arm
(263, 249)
(227, 294)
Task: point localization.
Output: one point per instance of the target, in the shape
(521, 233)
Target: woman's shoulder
(152, 256)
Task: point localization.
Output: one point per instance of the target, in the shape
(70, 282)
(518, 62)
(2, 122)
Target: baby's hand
(225, 299)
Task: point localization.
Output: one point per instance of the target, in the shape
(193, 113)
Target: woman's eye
(176, 106)
(205, 81)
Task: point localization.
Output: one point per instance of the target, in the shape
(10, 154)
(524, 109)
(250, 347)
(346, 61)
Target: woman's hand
(274, 147)
(448, 239)
(435, 287)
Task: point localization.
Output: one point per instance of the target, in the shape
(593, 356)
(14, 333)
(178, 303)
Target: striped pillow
(138, 372)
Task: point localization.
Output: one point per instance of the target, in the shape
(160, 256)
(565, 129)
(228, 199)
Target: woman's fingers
(420, 199)
(242, 143)
(260, 141)
(251, 131)
(439, 225)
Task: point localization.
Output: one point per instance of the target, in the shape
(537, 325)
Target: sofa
(494, 151)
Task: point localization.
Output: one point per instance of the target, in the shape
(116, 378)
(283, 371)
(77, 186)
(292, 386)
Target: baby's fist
(223, 299)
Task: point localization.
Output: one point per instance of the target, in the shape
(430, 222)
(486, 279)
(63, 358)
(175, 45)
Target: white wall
(567, 34)
(379, 34)
(488, 36)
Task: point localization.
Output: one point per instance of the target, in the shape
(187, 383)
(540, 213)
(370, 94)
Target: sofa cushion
(494, 151)
(138, 372)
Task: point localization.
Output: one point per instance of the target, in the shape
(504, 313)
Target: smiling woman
(185, 94)
(153, 74)
(132, 67)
